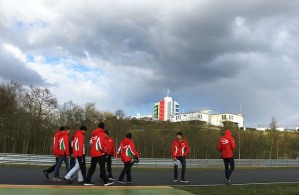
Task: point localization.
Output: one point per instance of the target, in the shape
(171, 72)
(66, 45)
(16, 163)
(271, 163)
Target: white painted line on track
(236, 184)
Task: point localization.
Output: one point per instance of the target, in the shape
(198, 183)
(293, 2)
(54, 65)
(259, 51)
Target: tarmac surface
(33, 175)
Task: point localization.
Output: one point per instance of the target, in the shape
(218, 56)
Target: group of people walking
(102, 150)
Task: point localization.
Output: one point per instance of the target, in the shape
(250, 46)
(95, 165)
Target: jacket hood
(79, 132)
(228, 133)
(126, 141)
(64, 133)
(98, 130)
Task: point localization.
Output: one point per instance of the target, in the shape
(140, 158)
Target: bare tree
(120, 114)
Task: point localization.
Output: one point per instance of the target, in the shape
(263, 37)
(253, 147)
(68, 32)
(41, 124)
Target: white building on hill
(208, 117)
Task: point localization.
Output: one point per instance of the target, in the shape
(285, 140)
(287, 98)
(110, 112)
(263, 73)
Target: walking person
(72, 158)
(63, 153)
(129, 156)
(179, 150)
(226, 145)
(110, 153)
(79, 156)
(97, 153)
(51, 169)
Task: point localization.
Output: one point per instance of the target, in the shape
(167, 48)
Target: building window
(223, 117)
(231, 117)
(199, 116)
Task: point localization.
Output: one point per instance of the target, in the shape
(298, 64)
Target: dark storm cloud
(13, 69)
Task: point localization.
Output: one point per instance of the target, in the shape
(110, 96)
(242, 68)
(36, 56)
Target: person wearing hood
(55, 152)
(78, 146)
(179, 150)
(63, 152)
(110, 153)
(226, 145)
(128, 154)
(97, 154)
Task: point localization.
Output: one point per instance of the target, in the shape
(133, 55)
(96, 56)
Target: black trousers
(52, 168)
(229, 166)
(101, 161)
(126, 171)
(72, 162)
(82, 165)
(182, 159)
(108, 166)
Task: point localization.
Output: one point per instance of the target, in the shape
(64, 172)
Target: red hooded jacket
(110, 148)
(226, 144)
(78, 144)
(126, 150)
(63, 148)
(56, 143)
(97, 143)
(179, 148)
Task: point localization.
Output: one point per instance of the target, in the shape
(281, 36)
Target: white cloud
(126, 54)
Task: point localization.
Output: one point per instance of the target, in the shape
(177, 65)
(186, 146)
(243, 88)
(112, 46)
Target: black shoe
(46, 174)
(121, 182)
(89, 184)
(111, 179)
(68, 181)
(129, 182)
(109, 183)
(227, 181)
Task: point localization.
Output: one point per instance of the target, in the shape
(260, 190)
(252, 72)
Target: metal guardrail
(32, 159)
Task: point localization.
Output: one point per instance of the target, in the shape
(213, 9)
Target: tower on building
(165, 108)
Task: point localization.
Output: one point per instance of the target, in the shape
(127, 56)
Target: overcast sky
(227, 56)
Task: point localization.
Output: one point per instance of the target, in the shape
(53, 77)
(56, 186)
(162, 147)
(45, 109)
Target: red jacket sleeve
(132, 145)
(219, 145)
(232, 142)
(67, 146)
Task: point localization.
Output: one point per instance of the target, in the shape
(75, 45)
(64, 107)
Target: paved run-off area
(113, 190)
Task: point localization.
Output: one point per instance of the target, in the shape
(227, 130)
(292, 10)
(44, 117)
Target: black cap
(179, 133)
(62, 128)
(101, 125)
(129, 135)
(83, 128)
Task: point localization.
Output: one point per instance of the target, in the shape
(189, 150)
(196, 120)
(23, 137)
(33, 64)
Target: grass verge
(282, 189)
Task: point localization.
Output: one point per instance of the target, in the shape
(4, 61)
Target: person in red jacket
(97, 154)
(179, 150)
(54, 151)
(78, 146)
(110, 153)
(63, 152)
(226, 145)
(126, 151)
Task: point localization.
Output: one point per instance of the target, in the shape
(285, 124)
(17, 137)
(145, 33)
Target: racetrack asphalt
(33, 175)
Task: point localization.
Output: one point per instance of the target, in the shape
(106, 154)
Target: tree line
(30, 116)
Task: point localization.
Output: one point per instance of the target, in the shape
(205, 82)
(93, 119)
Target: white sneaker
(89, 184)
(183, 181)
(109, 183)
(175, 180)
